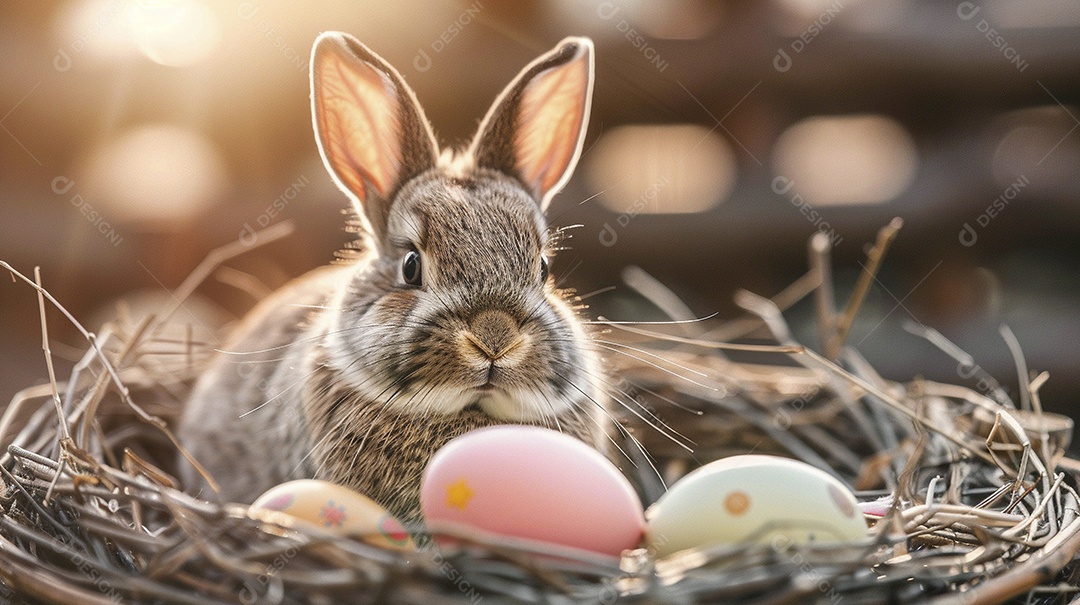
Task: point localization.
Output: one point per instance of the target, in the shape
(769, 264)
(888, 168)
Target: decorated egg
(533, 484)
(762, 499)
(336, 509)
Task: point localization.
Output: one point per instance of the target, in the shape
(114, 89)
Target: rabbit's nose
(494, 333)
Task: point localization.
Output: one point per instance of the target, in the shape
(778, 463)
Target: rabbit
(445, 320)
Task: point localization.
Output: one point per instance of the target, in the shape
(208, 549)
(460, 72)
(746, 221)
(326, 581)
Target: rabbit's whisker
(321, 335)
(671, 322)
(615, 349)
(594, 293)
(285, 390)
(565, 274)
(666, 399)
(649, 354)
(711, 344)
(651, 420)
(625, 431)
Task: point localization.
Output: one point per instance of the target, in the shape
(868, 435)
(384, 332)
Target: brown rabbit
(446, 322)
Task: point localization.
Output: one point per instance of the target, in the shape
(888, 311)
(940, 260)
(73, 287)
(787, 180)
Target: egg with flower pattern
(335, 509)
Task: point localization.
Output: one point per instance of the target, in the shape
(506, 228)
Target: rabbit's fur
(353, 375)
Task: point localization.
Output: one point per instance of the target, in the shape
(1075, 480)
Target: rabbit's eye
(544, 271)
(410, 268)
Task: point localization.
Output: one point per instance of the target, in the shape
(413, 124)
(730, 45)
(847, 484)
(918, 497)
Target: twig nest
(751, 498)
(1058, 428)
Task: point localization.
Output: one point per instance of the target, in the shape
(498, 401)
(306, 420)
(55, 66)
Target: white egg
(760, 499)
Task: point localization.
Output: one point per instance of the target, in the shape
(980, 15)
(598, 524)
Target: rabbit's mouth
(497, 402)
(488, 391)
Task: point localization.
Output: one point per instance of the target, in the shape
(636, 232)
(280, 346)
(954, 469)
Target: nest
(976, 501)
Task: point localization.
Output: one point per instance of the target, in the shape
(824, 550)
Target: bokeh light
(845, 160)
(661, 169)
(1037, 143)
(94, 29)
(1032, 13)
(177, 33)
(676, 19)
(155, 174)
(174, 32)
(647, 19)
(811, 17)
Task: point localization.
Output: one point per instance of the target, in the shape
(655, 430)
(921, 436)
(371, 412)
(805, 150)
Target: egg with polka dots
(535, 486)
(752, 498)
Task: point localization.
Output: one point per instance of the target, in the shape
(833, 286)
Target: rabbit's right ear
(536, 128)
(371, 132)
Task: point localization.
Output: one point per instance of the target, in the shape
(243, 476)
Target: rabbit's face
(477, 322)
(455, 308)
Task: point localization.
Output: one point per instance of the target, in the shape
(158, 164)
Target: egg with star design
(533, 485)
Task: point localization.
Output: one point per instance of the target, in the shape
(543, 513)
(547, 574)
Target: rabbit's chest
(380, 452)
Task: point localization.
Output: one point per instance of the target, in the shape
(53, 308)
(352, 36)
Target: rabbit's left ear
(536, 127)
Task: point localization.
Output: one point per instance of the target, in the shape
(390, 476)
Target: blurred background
(138, 135)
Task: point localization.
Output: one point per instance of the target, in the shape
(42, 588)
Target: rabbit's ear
(371, 132)
(536, 128)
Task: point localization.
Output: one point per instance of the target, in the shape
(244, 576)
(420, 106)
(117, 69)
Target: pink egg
(535, 484)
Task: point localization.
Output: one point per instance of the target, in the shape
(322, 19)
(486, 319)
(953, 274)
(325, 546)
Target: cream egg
(753, 498)
(336, 509)
(533, 484)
